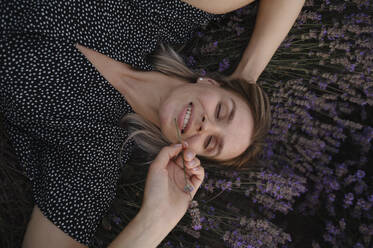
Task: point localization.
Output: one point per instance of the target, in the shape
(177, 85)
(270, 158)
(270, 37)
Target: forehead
(237, 134)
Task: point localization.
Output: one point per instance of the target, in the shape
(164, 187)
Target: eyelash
(209, 142)
(217, 116)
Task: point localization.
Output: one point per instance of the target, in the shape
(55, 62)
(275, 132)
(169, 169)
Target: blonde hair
(150, 139)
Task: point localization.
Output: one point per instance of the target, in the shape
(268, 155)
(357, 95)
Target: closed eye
(217, 116)
(208, 142)
(220, 141)
(219, 108)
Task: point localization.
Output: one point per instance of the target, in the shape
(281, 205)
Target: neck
(143, 90)
(146, 90)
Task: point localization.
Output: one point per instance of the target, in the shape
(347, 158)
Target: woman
(66, 83)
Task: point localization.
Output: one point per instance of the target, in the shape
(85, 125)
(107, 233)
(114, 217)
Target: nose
(206, 125)
(202, 126)
(203, 130)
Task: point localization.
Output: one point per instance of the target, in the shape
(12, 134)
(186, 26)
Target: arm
(273, 22)
(42, 233)
(145, 230)
(164, 204)
(218, 6)
(165, 200)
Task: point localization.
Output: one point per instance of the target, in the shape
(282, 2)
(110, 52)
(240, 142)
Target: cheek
(166, 122)
(209, 97)
(196, 144)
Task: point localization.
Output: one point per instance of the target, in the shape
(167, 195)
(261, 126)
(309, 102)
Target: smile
(184, 120)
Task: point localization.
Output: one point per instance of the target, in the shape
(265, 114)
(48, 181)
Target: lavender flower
(316, 156)
(223, 65)
(348, 199)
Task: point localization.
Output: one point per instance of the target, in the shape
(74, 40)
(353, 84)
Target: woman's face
(209, 125)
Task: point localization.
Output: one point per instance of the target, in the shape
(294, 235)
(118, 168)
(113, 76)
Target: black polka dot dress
(61, 115)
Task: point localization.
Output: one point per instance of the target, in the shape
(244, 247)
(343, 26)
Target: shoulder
(218, 6)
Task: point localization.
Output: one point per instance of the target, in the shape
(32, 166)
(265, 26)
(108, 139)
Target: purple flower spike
(223, 65)
(360, 174)
(349, 199)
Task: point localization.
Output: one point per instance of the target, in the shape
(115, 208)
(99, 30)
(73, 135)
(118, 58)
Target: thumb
(165, 155)
(197, 180)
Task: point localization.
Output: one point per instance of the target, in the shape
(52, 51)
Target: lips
(182, 117)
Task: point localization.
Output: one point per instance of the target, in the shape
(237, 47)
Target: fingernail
(189, 155)
(185, 144)
(193, 162)
(176, 145)
(188, 188)
(190, 163)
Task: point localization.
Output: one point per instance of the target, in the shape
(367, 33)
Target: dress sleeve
(74, 176)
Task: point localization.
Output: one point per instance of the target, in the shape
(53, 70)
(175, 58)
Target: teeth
(187, 116)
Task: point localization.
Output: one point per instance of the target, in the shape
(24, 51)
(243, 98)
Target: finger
(189, 154)
(197, 178)
(196, 169)
(178, 161)
(189, 171)
(166, 153)
(192, 172)
(188, 164)
(179, 164)
(192, 164)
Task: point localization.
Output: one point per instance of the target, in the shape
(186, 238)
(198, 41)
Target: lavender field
(313, 184)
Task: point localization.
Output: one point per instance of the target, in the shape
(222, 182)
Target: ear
(207, 80)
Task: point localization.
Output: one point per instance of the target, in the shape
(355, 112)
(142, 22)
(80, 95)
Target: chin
(167, 126)
(164, 132)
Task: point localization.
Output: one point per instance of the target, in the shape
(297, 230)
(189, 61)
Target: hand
(164, 194)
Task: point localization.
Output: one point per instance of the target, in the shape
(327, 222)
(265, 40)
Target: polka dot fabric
(61, 115)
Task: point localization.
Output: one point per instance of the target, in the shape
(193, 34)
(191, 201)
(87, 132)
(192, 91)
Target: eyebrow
(230, 119)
